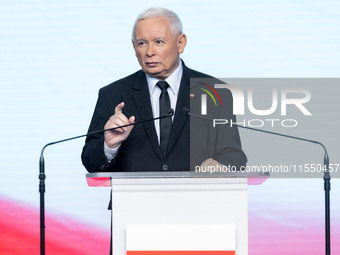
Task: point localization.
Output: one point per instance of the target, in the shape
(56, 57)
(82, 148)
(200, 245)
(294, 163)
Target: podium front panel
(179, 201)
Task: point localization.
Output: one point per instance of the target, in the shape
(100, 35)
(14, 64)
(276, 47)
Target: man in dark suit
(164, 81)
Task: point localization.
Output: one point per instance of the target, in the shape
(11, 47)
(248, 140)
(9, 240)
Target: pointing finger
(119, 108)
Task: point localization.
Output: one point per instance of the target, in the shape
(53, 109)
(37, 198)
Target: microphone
(42, 175)
(186, 111)
(326, 177)
(171, 113)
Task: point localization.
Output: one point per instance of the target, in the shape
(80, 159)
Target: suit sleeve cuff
(110, 153)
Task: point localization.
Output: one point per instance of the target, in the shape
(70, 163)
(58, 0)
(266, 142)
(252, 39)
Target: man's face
(157, 47)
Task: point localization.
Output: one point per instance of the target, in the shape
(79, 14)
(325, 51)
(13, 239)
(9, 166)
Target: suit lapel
(141, 97)
(183, 100)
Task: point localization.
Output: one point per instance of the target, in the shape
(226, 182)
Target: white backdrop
(55, 55)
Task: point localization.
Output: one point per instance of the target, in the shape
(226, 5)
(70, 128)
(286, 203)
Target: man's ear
(182, 42)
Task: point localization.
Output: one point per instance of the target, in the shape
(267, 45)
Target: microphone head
(171, 112)
(186, 111)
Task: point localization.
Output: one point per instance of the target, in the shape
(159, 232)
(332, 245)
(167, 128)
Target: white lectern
(177, 202)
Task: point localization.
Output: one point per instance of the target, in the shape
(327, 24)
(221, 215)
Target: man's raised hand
(114, 137)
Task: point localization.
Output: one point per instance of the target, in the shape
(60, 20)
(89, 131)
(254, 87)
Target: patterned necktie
(165, 123)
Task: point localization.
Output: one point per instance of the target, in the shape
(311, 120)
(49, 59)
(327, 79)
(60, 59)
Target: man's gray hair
(175, 22)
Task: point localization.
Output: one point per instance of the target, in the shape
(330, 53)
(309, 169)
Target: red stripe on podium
(180, 252)
(98, 181)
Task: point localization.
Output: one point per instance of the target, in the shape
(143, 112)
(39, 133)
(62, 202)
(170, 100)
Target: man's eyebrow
(159, 38)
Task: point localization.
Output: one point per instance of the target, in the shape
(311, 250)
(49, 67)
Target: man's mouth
(151, 64)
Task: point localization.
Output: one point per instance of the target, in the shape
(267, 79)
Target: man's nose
(150, 50)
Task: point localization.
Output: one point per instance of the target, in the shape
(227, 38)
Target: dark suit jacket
(141, 151)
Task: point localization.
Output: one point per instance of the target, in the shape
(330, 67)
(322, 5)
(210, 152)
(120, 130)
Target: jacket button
(165, 167)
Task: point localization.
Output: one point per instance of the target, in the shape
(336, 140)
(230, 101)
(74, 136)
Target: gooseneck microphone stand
(326, 177)
(42, 175)
(327, 183)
